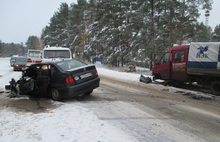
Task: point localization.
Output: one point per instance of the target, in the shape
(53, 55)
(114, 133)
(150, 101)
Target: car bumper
(78, 89)
(18, 67)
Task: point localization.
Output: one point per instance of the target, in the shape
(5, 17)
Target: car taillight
(69, 80)
(96, 72)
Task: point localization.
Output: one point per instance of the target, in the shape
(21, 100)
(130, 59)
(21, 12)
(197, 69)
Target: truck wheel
(215, 87)
(177, 83)
(55, 94)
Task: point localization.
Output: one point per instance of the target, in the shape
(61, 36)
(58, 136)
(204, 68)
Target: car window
(53, 71)
(66, 65)
(179, 56)
(21, 59)
(12, 58)
(44, 70)
(165, 58)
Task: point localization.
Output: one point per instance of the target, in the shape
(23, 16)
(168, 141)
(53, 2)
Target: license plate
(85, 75)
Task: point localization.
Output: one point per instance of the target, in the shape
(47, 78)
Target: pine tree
(76, 27)
(33, 43)
(216, 34)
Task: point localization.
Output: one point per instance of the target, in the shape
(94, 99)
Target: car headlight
(16, 65)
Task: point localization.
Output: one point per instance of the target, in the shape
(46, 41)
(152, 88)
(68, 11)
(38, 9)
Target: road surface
(143, 111)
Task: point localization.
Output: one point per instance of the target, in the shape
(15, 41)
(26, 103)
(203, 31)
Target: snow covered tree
(56, 33)
(76, 27)
(216, 34)
(33, 42)
(120, 31)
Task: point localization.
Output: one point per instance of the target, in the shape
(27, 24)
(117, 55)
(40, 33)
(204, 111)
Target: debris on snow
(145, 79)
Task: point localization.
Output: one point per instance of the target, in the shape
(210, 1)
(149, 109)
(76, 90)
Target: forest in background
(122, 31)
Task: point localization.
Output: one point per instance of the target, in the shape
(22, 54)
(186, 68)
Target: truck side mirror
(156, 62)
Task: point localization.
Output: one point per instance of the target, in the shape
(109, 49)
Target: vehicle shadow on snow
(39, 104)
(83, 98)
(23, 103)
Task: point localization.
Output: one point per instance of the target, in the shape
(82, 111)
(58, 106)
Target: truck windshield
(34, 54)
(56, 54)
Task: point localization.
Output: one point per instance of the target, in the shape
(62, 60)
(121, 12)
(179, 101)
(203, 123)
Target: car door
(164, 66)
(56, 77)
(178, 68)
(43, 79)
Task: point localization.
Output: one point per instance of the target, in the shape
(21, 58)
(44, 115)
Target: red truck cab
(198, 62)
(172, 65)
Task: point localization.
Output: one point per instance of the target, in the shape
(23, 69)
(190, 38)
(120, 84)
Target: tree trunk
(181, 30)
(171, 26)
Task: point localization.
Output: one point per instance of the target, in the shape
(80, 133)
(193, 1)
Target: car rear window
(21, 59)
(66, 65)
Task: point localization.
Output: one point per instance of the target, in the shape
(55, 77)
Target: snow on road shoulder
(69, 122)
(6, 73)
(102, 70)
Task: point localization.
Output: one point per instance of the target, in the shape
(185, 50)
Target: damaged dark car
(59, 80)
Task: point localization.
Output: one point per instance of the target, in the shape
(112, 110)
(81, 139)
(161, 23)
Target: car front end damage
(48, 79)
(21, 87)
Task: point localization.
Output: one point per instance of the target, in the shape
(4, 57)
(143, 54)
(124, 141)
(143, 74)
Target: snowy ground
(70, 121)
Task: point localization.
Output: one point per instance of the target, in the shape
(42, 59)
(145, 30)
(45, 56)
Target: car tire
(55, 94)
(215, 87)
(88, 93)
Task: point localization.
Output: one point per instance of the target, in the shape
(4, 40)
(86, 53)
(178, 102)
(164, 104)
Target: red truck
(198, 62)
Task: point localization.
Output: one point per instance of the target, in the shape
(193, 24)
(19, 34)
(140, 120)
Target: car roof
(20, 57)
(180, 47)
(56, 48)
(53, 62)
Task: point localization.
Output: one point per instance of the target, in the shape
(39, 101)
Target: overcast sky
(20, 19)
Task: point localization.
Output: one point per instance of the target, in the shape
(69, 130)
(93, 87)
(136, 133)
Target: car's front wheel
(55, 94)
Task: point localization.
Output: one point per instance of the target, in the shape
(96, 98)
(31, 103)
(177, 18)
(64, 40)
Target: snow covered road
(121, 110)
(70, 121)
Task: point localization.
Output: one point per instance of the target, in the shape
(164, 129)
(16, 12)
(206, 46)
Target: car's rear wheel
(88, 93)
(55, 94)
